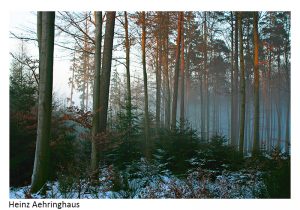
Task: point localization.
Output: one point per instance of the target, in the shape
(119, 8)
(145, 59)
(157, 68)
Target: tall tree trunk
(46, 49)
(287, 125)
(128, 98)
(268, 102)
(106, 72)
(106, 68)
(146, 114)
(236, 70)
(96, 94)
(188, 81)
(182, 119)
(243, 89)
(206, 79)
(256, 87)
(87, 70)
(232, 117)
(166, 77)
(176, 76)
(158, 72)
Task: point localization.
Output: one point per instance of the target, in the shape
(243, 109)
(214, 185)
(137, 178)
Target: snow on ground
(147, 184)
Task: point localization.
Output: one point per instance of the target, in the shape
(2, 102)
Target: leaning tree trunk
(96, 94)
(255, 148)
(46, 48)
(243, 89)
(175, 89)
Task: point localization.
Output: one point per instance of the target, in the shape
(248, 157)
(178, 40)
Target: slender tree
(146, 114)
(128, 98)
(232, 111)
(166, 79)
(176, 76)
(45, 31)
(206, 93)
(255, 148)
(158, 69)
(242, 84)
(182, 118)
(96, 94)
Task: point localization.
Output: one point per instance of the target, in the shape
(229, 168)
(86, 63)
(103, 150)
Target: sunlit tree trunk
(176, 75)
(96, 94)
(46, 48)
(256, 148)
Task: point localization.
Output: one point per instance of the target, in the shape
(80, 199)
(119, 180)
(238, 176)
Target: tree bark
(158, 72)
(167, 82)
(243, 89)
(46, 50)
(106, 68)
(256, 148)
(232, 112)
(128, 98)
(182, 118)
(206, 102)
(146, 114)
(96, 94)
(176, 76)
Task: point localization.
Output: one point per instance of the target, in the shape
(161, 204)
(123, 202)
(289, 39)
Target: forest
(158, 104)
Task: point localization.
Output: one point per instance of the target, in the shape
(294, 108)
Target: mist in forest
(153, 99)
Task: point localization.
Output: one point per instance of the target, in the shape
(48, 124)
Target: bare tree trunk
(188, 82)
(236, 70)
(176, 76)
(167, 83)
(182, 118)
(106, 72)
(46, 48)
(87, 70)
(243, 89)
(206, 102)
(158, 72)
(128, 98)
(256, 87)
(96, 94)
(232, 124)
(146, 114)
